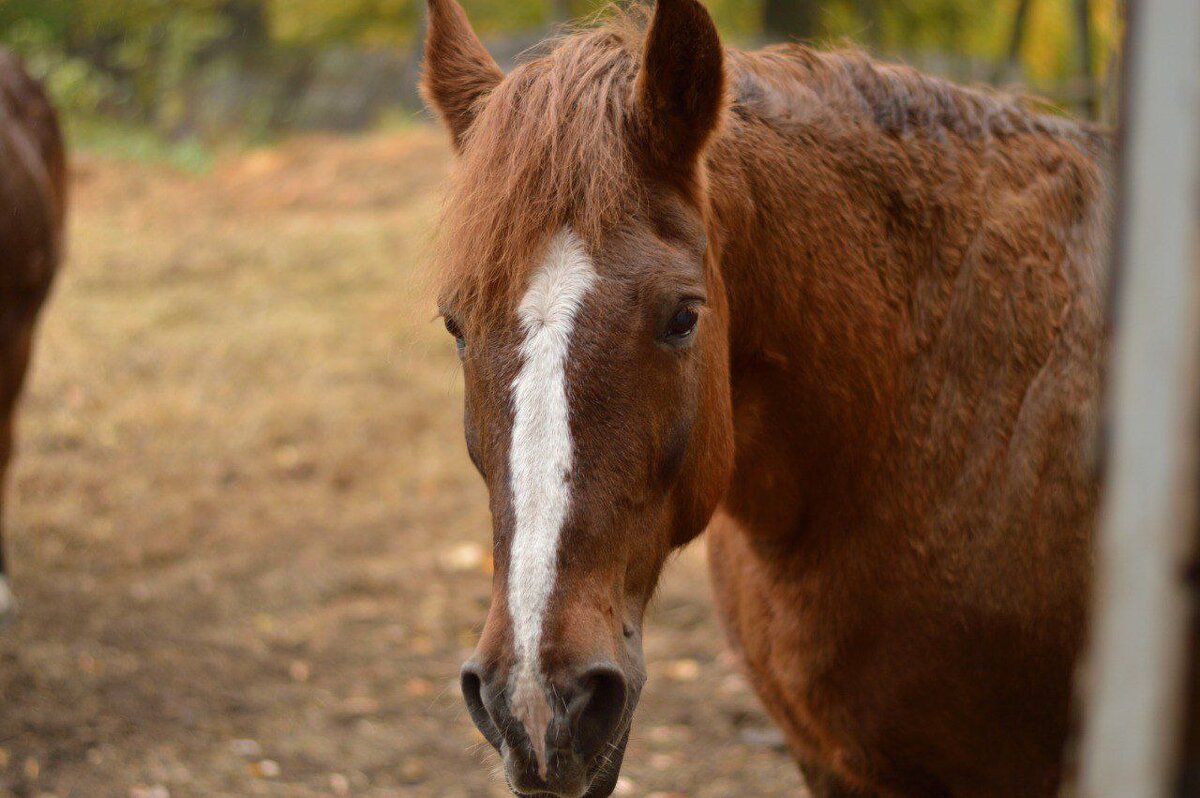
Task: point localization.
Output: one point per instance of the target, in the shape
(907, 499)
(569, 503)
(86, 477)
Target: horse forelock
(548, 150)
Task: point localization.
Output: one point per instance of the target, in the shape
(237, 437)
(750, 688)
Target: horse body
(845, 317)
(33, 178)
(903, 555)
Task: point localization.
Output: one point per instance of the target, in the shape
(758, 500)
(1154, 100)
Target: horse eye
(453, 328)
(682, 324)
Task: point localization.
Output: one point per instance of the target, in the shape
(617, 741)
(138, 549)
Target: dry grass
(249, 546)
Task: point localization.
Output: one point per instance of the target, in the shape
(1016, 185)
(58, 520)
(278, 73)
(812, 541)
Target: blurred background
(203, 72)
(249, 547)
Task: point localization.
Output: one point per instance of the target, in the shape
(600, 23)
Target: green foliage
(96, 55)
(320, 22)
(739, 20)
(76, 85)
(142, 60)
(132, 142)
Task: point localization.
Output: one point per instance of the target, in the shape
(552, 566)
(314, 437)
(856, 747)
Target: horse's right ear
(681, 84)
(458, 70)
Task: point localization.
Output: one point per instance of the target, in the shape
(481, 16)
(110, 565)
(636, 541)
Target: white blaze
(539, 462)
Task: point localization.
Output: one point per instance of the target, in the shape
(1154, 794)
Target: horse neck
(861, 264)
(821, 240)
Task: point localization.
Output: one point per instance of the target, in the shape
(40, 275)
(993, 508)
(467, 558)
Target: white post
(1136, 669)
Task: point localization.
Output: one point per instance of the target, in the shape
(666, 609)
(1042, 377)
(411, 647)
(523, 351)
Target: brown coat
(33, 178)
(903, 557)
(881, 410)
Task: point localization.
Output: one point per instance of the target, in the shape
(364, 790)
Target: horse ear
(681, 85)
(458, 70)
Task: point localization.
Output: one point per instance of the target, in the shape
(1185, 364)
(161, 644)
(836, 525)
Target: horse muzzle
(584, 731)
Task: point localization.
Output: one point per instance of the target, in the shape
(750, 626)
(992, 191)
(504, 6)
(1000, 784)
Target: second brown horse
(33, 187)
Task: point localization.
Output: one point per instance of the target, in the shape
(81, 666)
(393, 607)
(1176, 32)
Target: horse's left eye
(682, 325)
(453, 328)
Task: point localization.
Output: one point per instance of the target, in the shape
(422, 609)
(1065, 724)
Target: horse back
(33, 175)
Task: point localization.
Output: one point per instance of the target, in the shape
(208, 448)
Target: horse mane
(788, 85)
(550, 147)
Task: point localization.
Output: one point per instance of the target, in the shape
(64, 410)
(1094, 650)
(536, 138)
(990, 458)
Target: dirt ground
(248, 545)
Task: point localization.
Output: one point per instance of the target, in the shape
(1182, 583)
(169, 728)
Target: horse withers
(844, 316)
(33, 177)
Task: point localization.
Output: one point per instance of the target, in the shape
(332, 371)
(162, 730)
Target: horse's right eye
(682, 324)
(453, 328)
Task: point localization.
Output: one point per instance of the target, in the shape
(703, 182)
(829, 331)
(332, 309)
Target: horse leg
(6, 598)
(739, 590)
(14, 361)
(738, 593)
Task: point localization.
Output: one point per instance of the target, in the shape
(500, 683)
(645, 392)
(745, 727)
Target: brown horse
(844, 316)
(33, 177)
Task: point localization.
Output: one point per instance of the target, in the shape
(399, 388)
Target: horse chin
(608, 769)
(602, 775)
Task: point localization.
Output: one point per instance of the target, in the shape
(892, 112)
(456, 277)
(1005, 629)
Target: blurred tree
(142, 59)
(375, 23)
(1083, 43)
(790, 19)
(1008, 68)
(869, 12)
(560, 11)
(248, 27)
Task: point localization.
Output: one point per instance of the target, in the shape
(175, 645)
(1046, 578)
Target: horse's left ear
(458, 70)
(681, 85)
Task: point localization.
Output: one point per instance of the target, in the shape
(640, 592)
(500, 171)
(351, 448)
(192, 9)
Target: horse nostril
(472, 690)
(596, 708)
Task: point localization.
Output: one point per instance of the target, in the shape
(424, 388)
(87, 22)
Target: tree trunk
(560, 11)
(1007, 71)
(249, 34)
(868, 11)
(790, 19)
(1083, 32)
